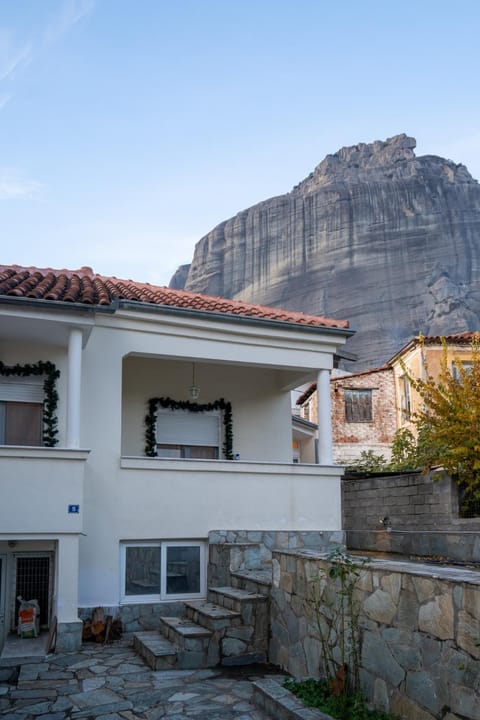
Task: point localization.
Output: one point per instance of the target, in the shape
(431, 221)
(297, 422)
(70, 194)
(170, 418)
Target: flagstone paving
(112, 683)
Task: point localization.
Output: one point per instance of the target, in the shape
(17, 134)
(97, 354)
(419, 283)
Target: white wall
(167, 499)
(36, 488)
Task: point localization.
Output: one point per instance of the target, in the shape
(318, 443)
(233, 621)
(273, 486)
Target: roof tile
(85, 287)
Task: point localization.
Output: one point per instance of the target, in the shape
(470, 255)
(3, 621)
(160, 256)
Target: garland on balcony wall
(166, 402)
(50, 420)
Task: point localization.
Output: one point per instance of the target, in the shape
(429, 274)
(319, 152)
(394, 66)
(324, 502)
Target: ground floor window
(162, 570)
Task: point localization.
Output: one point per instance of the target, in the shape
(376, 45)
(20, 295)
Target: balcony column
(325, 450)
(74, 383)
(69, 627)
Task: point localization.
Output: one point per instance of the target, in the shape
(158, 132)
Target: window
(21, 411)
(186, 434)
(405, 403)
(466, 367)
(358, 405)
(162, 570)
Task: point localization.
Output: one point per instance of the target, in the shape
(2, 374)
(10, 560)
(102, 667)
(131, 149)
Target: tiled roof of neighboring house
(457, 338)
(86, 287)
(464, 338)
(338, 378)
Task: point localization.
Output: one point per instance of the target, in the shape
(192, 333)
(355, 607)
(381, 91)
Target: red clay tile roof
(457, 338)
(464, 338)
(86, 287)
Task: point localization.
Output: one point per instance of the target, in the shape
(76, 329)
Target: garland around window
(50, 420)
(166, 402)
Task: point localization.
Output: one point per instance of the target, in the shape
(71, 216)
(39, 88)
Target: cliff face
(374, 235)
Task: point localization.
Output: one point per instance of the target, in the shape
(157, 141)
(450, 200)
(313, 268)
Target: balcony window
(21, 411)
(185, 434)
(162, 570)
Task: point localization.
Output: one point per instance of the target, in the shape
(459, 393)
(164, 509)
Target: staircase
(230, 627)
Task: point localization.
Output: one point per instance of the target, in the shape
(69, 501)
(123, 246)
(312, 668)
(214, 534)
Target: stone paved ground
(112, 683)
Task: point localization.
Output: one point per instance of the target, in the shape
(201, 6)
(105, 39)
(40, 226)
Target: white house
(135, 420)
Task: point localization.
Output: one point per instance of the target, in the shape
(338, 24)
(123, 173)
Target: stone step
(233, 598)
(191, 641)
(158, 652)
(257, 581)
(211, 616)
(179, 630)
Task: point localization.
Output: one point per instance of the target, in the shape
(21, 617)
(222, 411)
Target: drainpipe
(74, 382)
(325, 450)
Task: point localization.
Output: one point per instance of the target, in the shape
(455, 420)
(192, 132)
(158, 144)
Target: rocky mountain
(374, 235)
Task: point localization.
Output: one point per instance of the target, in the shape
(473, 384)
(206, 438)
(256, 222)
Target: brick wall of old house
(351, 438)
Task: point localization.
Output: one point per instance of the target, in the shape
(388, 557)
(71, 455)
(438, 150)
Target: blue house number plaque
(74, 509)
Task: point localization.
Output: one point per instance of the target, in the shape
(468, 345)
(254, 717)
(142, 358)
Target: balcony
(38, 486)
(202, 495)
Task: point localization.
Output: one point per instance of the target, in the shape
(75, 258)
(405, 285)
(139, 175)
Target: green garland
(166, 402)
(50, 402)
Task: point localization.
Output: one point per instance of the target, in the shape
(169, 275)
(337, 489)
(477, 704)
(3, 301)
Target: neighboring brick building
(363, 412)
(368, 407)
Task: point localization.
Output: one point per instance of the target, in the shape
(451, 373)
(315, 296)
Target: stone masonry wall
(138, 616)
(232, 550)
(412, 514)
(420, 634)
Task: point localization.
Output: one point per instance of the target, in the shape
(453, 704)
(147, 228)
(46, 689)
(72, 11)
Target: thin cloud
(71, 12)
(4, 99)
(13, 187)
(11, 57)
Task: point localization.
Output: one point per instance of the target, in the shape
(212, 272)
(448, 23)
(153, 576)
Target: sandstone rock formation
(374, 234)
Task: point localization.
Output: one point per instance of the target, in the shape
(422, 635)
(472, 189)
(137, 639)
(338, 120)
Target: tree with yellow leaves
(448, 421)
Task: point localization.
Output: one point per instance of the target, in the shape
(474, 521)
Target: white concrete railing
(37, 486)
(198, 495)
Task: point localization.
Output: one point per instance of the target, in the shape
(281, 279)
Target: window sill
(42, 453)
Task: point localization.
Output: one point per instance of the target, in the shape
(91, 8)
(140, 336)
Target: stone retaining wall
(412, 514)
(232, 550)
(138, 616)
(420, 655)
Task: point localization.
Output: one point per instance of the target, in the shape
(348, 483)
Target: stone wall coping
(281, 704)
(434, 571)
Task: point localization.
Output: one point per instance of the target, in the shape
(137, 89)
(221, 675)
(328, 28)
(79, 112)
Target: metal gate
(33, 581)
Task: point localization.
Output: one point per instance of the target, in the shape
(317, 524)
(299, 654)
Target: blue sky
(130, 128)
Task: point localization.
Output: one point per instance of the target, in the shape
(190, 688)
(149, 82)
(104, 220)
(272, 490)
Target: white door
(3, 574)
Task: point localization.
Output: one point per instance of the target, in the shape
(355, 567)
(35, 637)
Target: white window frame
(166, 412)
(162, 595)
(405, 399)
(466, 366)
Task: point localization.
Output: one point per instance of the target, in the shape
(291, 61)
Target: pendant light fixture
(193, 390)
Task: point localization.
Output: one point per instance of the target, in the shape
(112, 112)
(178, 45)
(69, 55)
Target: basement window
(358, 406)
(162, 570)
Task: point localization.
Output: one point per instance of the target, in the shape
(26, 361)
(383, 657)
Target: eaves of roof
(83, 290)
